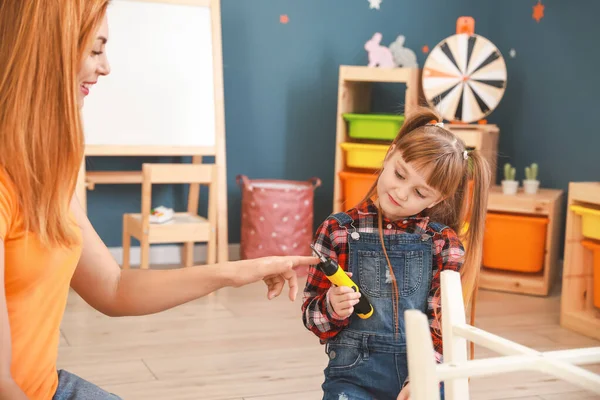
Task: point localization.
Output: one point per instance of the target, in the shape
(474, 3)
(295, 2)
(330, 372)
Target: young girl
(395, 244)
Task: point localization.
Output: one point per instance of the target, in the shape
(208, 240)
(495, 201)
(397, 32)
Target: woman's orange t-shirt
(36, 282)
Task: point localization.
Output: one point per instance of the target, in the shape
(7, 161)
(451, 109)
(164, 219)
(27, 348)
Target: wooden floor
(235, 344)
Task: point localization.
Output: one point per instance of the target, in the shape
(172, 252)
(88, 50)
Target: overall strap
(438, 227)
(342, 218)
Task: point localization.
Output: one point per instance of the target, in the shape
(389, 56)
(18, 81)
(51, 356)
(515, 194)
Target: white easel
(164, 96)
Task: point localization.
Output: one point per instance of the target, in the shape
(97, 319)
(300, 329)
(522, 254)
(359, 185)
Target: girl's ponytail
(417, 118)
(479, 172)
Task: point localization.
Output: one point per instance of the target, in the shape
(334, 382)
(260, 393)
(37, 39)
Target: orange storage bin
(514, 242)
(594, 246)
(355, 186)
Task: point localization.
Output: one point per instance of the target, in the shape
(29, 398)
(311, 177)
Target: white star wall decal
(374, 3)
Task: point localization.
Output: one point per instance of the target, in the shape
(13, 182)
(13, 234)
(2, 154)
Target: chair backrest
(165, 173)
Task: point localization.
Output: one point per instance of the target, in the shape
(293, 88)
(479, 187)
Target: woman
(51, 53)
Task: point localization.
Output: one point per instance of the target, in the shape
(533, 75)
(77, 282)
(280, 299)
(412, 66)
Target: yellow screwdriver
(338, 277)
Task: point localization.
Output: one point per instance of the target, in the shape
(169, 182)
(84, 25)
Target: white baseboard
(170, 254)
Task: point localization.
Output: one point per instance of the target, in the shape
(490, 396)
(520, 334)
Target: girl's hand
(404, 393)
(343, 299)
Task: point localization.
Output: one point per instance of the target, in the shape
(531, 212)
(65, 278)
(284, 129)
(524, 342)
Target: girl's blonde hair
(440, 155)
(41, 136)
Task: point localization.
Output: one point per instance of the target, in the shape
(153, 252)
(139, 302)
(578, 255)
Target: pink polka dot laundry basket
(277, 217)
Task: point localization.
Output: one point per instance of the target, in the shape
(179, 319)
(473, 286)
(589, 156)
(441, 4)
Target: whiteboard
(160, 91)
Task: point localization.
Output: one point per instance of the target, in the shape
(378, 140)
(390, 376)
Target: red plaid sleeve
(448, 255)
(317, 314)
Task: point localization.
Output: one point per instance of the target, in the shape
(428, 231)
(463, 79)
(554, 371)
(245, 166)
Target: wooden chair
(185, 227)
(456, 370)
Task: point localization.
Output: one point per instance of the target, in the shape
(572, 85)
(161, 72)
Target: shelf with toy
(354, 98)
(361, 153)
(354, 101)
(465, 92)
(580, 302)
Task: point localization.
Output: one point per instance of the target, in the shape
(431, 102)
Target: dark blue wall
(281, 90)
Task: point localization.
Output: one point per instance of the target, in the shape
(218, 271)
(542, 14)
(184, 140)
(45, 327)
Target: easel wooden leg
(220, 156)
(126, 245)
(222, 235)
(80, 188)
(187, 254)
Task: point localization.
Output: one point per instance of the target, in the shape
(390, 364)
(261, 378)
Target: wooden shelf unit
(577, 311)
(547, 202)
(354, 96)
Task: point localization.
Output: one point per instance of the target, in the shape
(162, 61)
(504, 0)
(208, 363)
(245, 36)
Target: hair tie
(435, 123)
(465, 155)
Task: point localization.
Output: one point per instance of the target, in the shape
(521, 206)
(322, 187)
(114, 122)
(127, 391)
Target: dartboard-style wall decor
(464, 77)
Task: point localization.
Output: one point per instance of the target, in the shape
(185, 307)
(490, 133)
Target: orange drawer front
(594, 246)
(514, 242)
(355, 186)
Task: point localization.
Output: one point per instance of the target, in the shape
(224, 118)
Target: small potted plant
(531, 184)
(509, 184)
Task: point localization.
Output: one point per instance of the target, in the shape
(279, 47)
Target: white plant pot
(531, 186)
(510, 187)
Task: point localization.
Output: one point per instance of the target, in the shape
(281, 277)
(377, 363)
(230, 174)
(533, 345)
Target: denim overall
(366, 359)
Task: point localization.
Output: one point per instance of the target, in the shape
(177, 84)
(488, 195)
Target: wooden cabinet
(354, 96)
(547, 203)
(577, 311)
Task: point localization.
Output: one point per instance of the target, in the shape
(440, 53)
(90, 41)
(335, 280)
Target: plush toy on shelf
(403, 56)
(379, 55)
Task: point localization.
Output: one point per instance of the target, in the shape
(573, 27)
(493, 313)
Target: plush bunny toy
(379, 55)
(403, 57)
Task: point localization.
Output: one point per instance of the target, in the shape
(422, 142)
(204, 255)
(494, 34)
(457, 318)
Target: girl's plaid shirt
(332, 240)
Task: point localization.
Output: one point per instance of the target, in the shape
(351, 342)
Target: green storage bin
(373, 126)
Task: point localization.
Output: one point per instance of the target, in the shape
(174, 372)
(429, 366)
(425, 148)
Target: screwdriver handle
(338, 277)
